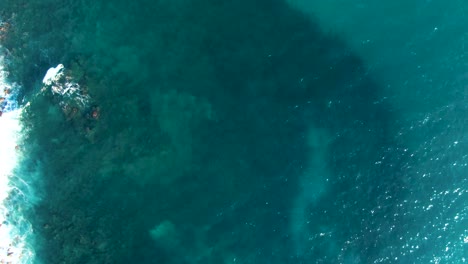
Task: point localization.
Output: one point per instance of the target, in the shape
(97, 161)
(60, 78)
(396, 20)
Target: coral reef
(182, 126)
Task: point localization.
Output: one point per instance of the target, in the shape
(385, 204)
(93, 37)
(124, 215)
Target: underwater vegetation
(200, 132)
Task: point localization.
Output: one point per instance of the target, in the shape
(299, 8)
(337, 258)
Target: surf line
(15, 229)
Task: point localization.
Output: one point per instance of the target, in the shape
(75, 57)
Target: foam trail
(14, 229)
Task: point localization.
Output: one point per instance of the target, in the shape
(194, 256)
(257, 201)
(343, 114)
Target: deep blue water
(201, 131)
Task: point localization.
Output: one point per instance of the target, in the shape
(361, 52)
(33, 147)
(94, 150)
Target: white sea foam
(13, 234)
(53, 74)
(63, 86)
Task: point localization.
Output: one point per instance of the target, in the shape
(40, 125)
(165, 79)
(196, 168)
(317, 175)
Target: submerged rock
(72, 99)
(68, 92)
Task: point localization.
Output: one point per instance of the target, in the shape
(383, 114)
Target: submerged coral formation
(194, 116)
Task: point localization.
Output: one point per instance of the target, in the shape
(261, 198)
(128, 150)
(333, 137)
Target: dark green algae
(204, 111)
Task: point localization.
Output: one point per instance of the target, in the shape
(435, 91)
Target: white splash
(13, 245)
(53, 75)
(63, 86)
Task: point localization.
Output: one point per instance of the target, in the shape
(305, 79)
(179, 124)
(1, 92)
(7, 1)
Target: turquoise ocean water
(202, 131)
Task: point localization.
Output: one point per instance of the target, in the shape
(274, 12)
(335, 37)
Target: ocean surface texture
(233, 132)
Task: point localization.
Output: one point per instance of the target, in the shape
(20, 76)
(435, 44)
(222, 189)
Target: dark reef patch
(201, 140)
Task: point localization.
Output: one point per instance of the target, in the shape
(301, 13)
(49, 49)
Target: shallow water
(241, 131)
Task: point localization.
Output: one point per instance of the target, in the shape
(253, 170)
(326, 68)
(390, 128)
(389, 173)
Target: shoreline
(13, 239)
